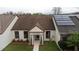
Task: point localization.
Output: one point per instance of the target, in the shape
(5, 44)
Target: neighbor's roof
(5, 20)
(66, 29)
(27, 22)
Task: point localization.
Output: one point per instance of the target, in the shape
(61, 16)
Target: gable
(36, 29)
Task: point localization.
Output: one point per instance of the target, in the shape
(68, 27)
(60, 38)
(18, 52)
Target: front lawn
(49, 46)
(18, 46)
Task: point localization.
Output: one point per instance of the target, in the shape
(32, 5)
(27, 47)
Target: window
(47, 34)
(16, 34)
(25, 34)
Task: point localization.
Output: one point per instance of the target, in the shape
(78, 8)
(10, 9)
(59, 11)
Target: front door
(37, 37)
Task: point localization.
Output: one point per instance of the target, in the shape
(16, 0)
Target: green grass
(18, 47)
(49, 46)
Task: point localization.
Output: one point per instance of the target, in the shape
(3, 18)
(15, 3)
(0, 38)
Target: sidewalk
(36, 46)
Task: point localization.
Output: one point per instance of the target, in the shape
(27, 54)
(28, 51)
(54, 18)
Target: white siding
(52, 35)
(13, 34)
(7, 36)
(21, 35)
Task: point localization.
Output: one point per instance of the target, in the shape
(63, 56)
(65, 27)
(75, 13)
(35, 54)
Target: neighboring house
(6, 24)
(65, 25)
(36, 27)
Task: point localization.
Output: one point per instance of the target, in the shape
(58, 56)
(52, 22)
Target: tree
(9, 12)
(57, 10)
(28, 14)
(73, 40)
(38, 14)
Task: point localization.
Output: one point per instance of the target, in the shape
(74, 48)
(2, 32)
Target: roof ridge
(38, 25)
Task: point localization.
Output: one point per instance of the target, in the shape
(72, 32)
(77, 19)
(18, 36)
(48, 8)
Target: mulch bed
(21, 42)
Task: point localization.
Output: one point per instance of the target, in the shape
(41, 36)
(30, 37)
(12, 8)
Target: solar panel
(63, 20)
(65, 23)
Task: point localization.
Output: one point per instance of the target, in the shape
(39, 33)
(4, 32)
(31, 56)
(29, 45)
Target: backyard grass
(49, 46)
(18, 46)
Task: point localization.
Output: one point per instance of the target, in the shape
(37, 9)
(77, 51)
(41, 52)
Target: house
(6, 24)
(36, 28)
(65, 25)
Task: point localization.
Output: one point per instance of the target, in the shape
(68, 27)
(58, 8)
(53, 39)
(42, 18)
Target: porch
(34, 37)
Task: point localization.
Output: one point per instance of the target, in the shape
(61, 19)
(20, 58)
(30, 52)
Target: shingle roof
(39, 26)
(27, 22)
(5, 20)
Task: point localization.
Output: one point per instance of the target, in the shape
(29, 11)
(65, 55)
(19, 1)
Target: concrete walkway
(36, 45)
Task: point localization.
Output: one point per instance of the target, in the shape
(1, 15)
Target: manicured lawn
(18, 46)
(49, 46)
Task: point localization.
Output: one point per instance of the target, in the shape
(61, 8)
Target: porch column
(32, 39)
(42, 39)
